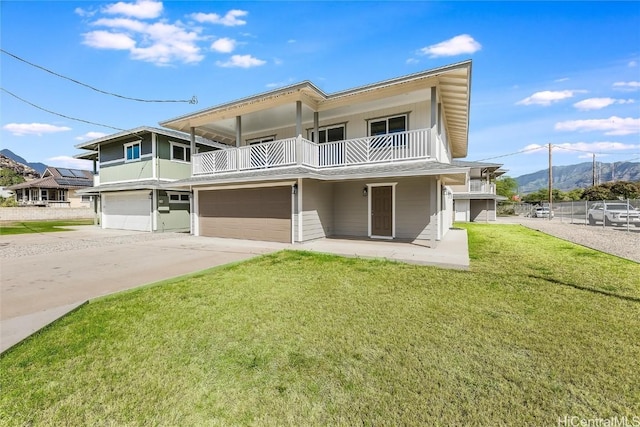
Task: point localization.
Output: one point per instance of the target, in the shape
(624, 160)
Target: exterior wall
(412, 208)
(317, 209)
(168, 169)
(126, 171)
(482, 210)
(29, 213)
(356, 124)
(462, 210)
(112, 152)
(350, 209)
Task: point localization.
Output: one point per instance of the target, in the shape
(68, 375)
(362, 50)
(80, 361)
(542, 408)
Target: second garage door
(127, 211)
(254, 214)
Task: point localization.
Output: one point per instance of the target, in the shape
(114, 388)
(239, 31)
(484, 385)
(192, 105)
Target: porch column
(154, 155)
(238, 130)
(316, 125)
(434, 106)
(298, 118)
(433, 147)
(192, 140)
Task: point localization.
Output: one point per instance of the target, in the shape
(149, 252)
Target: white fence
(400, 146)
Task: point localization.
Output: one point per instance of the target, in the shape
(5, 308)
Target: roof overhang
(277, 109)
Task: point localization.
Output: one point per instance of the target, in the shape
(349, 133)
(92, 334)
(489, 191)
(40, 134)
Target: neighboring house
(58, 187)
(476, 199)
(134, 168)
(370, 162)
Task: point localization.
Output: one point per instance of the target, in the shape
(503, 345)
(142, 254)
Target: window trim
(184, 147)
(261, 140)
(180, 197)
(132, 144)
(343, 125)
(387, 118)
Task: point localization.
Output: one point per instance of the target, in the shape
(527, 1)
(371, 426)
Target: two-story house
(476, 199)
(370, 162)
(132, 169)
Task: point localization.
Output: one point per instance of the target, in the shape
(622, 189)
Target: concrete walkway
(44, 276)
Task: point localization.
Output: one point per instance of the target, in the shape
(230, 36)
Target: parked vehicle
(613, 213)
(541, 212)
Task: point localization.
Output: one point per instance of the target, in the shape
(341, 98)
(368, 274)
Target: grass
(25, 227)
(538, 329)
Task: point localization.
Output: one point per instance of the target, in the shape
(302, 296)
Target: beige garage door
(254, 214)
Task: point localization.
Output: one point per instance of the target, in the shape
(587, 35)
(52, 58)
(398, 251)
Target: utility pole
(550, 184)
(593, 179)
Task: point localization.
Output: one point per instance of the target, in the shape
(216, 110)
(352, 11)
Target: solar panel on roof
(66, 173)
(77, 173)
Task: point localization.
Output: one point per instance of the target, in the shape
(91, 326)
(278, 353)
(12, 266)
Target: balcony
(401, 146)
(480, 186)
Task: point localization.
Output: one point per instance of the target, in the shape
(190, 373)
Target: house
(476, 199)
(133, 167)
(370, 162)
(58, 187)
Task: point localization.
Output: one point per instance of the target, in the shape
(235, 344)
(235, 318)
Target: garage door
(127, 211)
(254, 214)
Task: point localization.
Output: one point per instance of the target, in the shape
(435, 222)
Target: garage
(248, 213)
(127, 211)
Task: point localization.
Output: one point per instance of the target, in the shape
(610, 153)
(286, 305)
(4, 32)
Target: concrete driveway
(44, 276)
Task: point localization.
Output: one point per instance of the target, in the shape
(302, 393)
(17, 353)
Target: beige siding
(412, 208)
(317, 209)
(350, 209)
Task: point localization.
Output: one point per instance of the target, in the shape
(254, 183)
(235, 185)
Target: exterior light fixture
(294, 188)
(365, 191)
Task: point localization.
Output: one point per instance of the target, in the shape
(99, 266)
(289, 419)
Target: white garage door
(127, 211)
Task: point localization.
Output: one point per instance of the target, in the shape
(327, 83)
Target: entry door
(382, 211)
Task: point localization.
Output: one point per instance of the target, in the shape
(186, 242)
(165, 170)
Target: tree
(597, 192)
(506, 186)
(625, 190)
(9, 177)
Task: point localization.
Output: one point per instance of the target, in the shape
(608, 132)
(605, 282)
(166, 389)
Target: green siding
(126, 171)
(173, 170)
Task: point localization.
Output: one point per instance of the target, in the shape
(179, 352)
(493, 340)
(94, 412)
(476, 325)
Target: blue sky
(565, 73)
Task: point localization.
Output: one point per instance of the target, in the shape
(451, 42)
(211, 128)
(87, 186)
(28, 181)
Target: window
(328, 134)
(180, 152)
(388, 126)
(86, 198)
(132, 152)
(178, 198)
(262, 140)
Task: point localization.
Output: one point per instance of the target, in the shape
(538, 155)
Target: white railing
(478, 186)
(411, 145)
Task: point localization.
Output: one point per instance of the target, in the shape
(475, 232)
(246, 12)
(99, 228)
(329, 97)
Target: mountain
(19, 168)
(39, 167)
(568, 177)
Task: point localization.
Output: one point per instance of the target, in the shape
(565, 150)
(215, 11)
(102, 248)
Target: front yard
(539, 329)
(25, 227)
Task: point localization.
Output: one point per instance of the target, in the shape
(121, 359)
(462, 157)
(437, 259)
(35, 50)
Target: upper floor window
(262, 140)
(388, 125)
(132, 152)
(180, 152)
(328, 134)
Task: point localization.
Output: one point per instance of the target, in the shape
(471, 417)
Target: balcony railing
(478, 186)
(395, 147)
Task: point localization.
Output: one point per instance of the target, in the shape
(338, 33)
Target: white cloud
(611, 126)
(564, 79)
(224, 45)
(228, 20)
(90, 135)
(83, 12)
(547, 97)
(242, 61)
(21, 129)
(412, 61)
(160, 43)
(598, 103)
(627, 86)
(107, 40)
(458, 45)
(69, 162)
(533, 148)
(632, 64)
(142, 9)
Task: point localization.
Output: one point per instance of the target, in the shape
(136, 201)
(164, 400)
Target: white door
(127, 211)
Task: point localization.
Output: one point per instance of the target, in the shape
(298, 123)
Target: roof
(276, 108)
(471, 164)
(148, 184)
(415, 168)
(94, 143)
(477, 196)
(54, 177)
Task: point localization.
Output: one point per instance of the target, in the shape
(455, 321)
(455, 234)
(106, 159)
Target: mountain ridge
(37, 166)
(579, 175)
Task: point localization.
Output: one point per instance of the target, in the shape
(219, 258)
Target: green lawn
(538, 329)
(24, 227)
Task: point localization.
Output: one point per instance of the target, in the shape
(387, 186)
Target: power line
(591, 152)
(193, 100)
(512, 154)
(58, 114)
